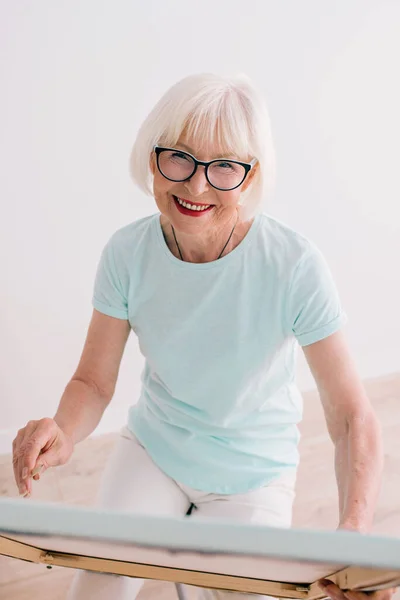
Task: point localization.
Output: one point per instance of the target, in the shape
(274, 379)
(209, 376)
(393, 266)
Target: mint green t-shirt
(219, 406)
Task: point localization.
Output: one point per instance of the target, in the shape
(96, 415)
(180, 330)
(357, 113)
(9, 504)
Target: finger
(17, 459)
(15, 456)
(49, 453)
(37, 471)
(43, 462)
(26, 484)
(333, 591)
(324, 582)
(30, 452)
(25, 487)
(34, 475)
(50, 456)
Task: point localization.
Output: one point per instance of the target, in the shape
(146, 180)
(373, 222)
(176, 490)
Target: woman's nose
(198, 183)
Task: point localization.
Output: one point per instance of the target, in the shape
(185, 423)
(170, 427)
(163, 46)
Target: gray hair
(228, 112)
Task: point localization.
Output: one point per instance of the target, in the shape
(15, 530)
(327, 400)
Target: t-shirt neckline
(224, 260)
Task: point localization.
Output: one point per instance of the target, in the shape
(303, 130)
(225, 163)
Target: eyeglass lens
(179, 166)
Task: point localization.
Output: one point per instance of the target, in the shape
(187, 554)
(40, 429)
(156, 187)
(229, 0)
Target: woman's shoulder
(283, 240)
(129, 236)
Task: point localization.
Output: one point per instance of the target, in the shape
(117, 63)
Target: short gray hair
(227, 111)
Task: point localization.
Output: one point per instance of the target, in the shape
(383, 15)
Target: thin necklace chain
(179, 250)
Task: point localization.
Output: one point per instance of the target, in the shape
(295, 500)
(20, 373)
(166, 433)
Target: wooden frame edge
(348, 578)
(20, 550)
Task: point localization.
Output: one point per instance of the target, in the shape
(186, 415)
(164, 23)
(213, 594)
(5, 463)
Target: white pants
(132, 482)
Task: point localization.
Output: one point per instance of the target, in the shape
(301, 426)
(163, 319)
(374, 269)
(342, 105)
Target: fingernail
(24, 472)
(37, 470)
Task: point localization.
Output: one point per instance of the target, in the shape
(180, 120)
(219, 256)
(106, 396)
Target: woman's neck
(207, 247)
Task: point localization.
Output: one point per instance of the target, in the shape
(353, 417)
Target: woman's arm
(92, 386)
(354, 430)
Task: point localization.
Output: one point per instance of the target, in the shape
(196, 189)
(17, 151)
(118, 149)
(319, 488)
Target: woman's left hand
(334, 592)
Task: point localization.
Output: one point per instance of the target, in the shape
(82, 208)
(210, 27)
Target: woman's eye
(225, 165)
(179, 155)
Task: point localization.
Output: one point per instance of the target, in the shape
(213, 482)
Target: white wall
(78, 77)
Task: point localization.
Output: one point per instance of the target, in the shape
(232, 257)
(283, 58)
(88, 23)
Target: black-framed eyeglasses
(222, 174)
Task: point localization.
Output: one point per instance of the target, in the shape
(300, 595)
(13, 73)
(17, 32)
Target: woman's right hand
(38, 446)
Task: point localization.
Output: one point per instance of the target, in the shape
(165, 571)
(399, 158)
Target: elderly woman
(220, 295)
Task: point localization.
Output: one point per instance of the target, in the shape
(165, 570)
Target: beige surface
(315, 507)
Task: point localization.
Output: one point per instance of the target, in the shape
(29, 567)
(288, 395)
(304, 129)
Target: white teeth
(191, 206)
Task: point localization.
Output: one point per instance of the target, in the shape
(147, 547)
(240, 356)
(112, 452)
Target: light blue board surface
(21, 516)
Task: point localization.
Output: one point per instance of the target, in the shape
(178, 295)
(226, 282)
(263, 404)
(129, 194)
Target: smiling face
(206, 207)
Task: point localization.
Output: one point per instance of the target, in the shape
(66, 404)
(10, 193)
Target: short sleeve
(109, 295)
(313, 306)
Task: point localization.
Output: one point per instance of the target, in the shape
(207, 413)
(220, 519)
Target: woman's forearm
(80, 410)
(358, 465)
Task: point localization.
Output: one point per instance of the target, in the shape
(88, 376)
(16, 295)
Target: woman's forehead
(209, 136)
(203, 151)
(209, 149)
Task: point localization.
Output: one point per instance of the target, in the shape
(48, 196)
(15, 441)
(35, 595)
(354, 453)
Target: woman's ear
(250, 178)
